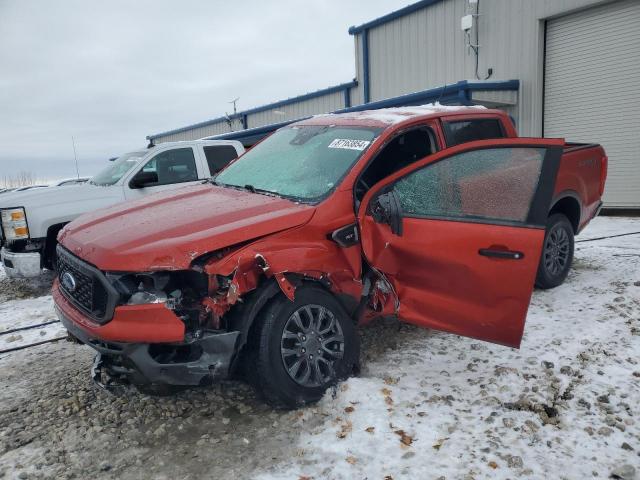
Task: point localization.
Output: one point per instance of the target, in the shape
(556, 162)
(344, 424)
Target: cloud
(110, 73)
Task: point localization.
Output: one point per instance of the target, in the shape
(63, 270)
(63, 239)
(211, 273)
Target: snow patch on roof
(399, 114)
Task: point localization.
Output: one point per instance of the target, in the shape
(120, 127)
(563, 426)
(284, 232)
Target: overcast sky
(110, 73)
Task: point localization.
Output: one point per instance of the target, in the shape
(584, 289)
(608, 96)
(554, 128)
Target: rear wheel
(557, 252)
(303, 347)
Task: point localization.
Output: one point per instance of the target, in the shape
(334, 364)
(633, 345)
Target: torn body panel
(300, 253)
(287, 264)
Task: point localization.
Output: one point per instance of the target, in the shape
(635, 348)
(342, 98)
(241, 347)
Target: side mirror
(385, 208)
(144, 179)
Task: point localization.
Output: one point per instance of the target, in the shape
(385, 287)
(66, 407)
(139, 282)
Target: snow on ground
(565, 405)
(19, 312)
(22, 313)
(427, 404)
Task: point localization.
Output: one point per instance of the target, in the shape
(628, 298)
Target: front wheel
(303, 347)
(557, 252)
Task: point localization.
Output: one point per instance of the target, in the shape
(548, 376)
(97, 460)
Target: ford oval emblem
(68, 282)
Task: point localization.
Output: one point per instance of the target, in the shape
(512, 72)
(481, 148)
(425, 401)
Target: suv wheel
(303, 347)
(557, 252)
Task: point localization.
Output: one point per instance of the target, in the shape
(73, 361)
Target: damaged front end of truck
(147, 328)
(191, 327)
(193, 282)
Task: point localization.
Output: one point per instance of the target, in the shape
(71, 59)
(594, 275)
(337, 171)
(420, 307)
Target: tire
(51, 259)
(289, 371)
(557, 252)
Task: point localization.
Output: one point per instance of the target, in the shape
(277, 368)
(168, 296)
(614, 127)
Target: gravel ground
(467, 409)
(17, 289)
(55, 424)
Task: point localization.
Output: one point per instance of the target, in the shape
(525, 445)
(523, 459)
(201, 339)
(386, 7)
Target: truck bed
(583, 171)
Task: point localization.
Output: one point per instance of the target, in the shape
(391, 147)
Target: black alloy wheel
(302, 347)
(312, 342)
(557, 252)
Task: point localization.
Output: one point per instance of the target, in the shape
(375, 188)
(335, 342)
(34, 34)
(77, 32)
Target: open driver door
(459, 234)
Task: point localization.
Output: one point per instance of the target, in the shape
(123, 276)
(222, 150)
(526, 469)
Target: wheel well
(243, 316)
(570, 208)
(51, 242)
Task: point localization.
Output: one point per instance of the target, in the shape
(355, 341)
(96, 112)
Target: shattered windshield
(302, 162)
(116, 170)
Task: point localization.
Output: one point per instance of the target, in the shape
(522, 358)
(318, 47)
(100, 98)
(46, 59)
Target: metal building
(561, 68)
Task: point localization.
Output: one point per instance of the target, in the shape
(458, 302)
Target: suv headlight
(14, 224)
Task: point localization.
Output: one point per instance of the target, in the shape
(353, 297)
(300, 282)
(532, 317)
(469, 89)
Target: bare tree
(22, 179)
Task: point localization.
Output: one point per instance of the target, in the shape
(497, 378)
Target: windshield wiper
(261, 191)
(249, 188)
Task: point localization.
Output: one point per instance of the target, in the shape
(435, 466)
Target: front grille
(85, 286)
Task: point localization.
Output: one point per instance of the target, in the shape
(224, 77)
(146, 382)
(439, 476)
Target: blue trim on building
(455, 93)
(243, 114)
(347, 97)
(464, 96)
(392, 16)
(253, 135)
(366, 92)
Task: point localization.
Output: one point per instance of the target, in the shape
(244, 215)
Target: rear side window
(219, 156)
(471, 130)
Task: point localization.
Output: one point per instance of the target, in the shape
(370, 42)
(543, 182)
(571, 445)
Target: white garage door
(592, 89)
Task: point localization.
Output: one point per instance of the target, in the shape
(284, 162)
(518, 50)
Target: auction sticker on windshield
(349, 144)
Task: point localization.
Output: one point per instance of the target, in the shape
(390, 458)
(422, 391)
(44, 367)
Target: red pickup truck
(439, 215)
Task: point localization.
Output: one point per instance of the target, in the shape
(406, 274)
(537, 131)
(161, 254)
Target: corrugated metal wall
(427, 49)
(506, 100)
(201, 132)
(419, 51)
(592, 90)
(313, 106)
(325, 103)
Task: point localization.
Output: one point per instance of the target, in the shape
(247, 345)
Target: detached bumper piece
(200, 361)
(21, 265)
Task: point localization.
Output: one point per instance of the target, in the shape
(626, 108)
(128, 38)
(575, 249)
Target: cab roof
(386, 117)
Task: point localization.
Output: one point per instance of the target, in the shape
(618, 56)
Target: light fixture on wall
(467, 24)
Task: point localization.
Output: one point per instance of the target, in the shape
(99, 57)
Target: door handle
(507, 254)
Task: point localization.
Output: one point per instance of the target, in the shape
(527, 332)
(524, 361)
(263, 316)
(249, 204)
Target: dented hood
(167, 231)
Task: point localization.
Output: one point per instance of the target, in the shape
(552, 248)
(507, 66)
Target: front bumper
(196, 361)
(21, 265)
